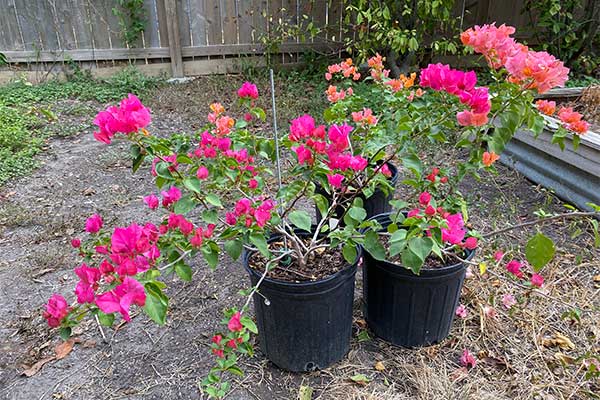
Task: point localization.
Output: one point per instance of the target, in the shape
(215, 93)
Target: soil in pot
(304, 323)
(321, 264)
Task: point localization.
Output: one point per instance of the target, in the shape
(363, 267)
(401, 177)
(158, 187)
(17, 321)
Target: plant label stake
(287, 260)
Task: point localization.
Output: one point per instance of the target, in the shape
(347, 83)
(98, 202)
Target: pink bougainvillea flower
(235, 324)
(536, 70)
(424, 198)
(301, 127)
(248, 90)
(461, 311)
(243, 206)
(93, 223)
(579, 127)
(202, 173)
(304, 155)
(198, 238)
(498, 256)
(469, 118)
(413, 213)
(252, 183)
(76, 243)
(231, 343)
(490, 312)
(455, 232)
(537, 280)
(385, 171)
(171, 196)
(88, 283)
(335, 180)
(470, 243)
(493, 42)
(338, 136)
(546, 107)
(230, 219)
(568, 116)
(122, 297)
(467, 360)
(430, 210)
(514, 267)
(217, 339)
(489, 158)
(129, 117)
(56, 310)
(262, 214)
(151, 201)
(508, 301)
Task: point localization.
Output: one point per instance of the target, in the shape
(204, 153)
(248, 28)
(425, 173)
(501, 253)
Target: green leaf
(162, 170)
(349, 252)
(360, 379)
(214, 200)
(357, 213)
(234, 248)
(249, 324)
(210, 216)
(106, 319)
(411, 260)
(421, 247)
(211, 256)
(184, 205)
(193, 184)
(65, 333)
(155, 307)
(301, 219)
(373, 245)
(183, 271)
(539, 251)
(258, 240)
(322, 203)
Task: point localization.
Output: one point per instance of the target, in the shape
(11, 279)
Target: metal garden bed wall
(574, 176)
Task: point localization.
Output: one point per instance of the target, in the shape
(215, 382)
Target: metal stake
(277, 156)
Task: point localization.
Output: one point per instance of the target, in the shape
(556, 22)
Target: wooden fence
(183, 37)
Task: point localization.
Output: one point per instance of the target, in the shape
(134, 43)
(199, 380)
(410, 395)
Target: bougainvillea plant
(215, 192)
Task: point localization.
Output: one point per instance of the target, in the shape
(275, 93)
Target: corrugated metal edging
(573, 176)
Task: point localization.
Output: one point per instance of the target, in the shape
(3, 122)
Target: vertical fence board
(10, 36)
(183, 12)
(151, 37)
(259, 19)
(245, 18)
(26, 22)
(99, 24)
(65, 25)
(229, 21)
(213, 19)
(162, 23)
(335, 13)
(198, 22)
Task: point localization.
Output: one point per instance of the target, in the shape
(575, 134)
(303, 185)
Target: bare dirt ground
(39, 215)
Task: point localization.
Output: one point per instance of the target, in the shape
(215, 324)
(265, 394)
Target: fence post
(174, 40)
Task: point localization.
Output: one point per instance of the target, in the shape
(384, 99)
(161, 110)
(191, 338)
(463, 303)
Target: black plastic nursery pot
(377, 203)
(304, 326)
(410, 310)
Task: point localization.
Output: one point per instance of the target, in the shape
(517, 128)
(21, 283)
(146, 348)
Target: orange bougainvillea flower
(546, 107)
(490, 158)
(217, 108)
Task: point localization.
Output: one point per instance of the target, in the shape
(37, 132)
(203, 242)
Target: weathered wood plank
(27, 22)
(10, 38)
(159, 52)
(99, 23)
(162, 23)
(213, 20)
(151, 36)
(229, 21)
(245, 16)
(183, 13)
(198, 22)
(174, 39)
(260, 23)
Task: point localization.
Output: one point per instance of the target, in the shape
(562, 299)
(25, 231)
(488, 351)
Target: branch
(543, 220)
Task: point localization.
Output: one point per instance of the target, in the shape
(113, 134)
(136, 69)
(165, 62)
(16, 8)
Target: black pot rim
(399, 268)
(348, 270)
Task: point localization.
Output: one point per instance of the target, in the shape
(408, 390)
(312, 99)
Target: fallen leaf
(63, 349)
(35, 368)
(379, 366)
(42, 272)
(361, 323)
(305, 393)
(88, 344)
(559, 340)
(361, 379)
(459, 374)
(564, 359)
(597, 278)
